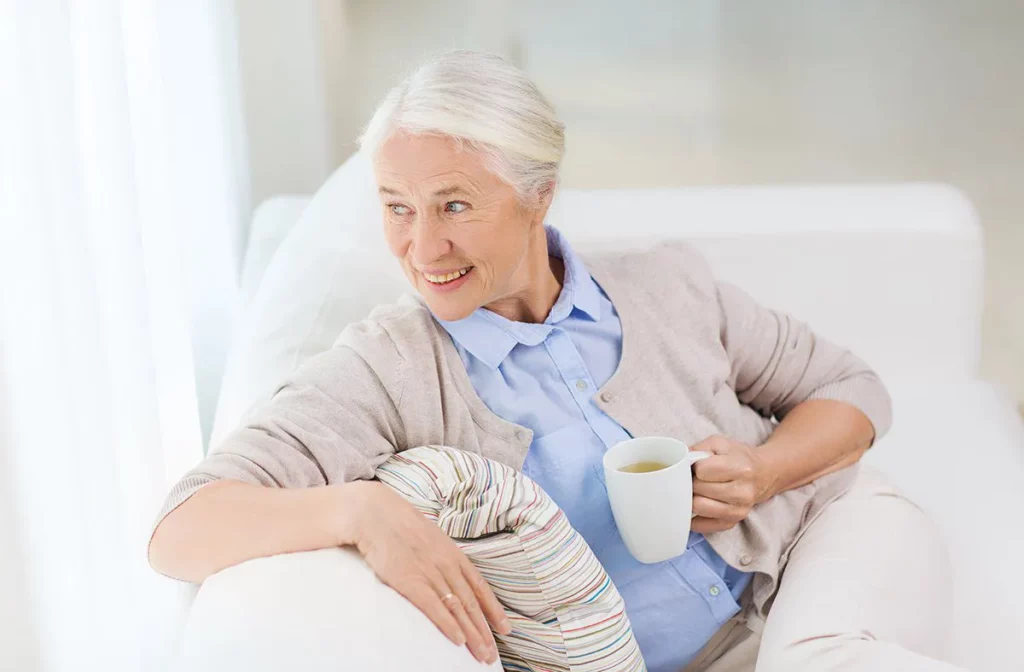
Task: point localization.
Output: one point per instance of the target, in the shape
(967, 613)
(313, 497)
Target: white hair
(483, 102)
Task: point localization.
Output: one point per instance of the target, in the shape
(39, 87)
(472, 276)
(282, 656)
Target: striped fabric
(565, 612)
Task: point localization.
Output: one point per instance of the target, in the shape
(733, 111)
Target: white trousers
(867, 588)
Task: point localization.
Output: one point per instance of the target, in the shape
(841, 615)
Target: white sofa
(894, 272)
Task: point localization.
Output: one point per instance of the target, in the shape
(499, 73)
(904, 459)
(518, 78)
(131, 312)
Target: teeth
(439, 279)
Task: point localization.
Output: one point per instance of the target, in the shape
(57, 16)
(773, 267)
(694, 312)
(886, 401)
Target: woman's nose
(429, 243)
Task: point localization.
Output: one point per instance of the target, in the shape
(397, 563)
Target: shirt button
(606, 396)
(714, 591)
(745, 560)
(581, 385)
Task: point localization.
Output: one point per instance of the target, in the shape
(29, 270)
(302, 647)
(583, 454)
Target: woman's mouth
(448, 281)
(446, 278)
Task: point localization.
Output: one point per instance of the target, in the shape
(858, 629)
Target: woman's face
(461, 234)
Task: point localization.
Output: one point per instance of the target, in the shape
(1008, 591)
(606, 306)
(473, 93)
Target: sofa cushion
(562, 605)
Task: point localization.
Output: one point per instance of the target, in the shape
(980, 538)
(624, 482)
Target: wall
(283, 83)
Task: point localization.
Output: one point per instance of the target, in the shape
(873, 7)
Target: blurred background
(688, 93)
(137, 137)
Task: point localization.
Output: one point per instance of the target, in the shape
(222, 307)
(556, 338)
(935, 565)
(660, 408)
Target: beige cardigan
(699, 357)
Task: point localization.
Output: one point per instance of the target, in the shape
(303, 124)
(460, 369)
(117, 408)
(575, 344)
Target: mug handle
(695, 456)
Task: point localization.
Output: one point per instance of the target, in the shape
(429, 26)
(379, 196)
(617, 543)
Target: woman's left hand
(727, 485)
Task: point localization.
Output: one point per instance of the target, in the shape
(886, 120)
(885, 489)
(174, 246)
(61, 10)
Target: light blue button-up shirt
(545, 377)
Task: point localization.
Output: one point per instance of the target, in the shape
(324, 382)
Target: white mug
(652, 509)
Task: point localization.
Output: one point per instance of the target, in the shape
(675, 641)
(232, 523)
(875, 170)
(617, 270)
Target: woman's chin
(449, 310)
(451, 302)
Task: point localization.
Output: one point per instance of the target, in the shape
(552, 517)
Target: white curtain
(120, 200)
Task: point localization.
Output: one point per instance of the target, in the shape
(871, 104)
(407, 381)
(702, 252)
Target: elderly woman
(521, 350)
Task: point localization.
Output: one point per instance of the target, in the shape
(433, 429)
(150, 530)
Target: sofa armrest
(311, 612)
(957, 449)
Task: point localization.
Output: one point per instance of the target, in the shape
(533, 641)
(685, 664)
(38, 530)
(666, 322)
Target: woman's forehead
(407, 151)
(430, 163)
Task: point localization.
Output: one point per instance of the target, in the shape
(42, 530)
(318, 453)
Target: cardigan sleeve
(334, 420)
(777, 362)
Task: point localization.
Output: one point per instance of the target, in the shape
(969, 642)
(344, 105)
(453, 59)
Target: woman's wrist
(818, 437)
(766, 475)
(347, 509)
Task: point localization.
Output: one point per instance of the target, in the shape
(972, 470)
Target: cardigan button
(606, 397)
(745, 560)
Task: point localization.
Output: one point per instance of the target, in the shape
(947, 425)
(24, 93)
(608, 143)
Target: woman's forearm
(817, 437)
(228, 522)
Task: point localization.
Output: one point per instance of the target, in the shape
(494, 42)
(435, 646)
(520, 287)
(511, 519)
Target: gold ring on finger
(450, 600)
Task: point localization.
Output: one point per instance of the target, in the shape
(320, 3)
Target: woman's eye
(399, 209)
(456, 207)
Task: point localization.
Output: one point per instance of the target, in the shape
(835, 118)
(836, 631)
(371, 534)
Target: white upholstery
(321, 611)
(272, 221)
(958, 450)
(893, 272)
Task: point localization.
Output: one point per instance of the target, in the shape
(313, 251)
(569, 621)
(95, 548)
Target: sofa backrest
(894, 272)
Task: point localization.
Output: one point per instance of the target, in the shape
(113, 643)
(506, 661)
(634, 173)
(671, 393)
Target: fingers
(478, 640)
(413, 556)
(729, 461)
(465, 609)
(741, 493)
(723, 492)
(704, 507)
(484, 649)
(425, 598)
(492, 608)
(716, 444)
(716, 469)
(705, 525)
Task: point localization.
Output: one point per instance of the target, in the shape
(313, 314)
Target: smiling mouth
(447, 278)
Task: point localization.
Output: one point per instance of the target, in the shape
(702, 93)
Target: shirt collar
(490, 337)
(578, 289)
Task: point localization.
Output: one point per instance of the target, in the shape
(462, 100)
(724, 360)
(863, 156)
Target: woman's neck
(545, 275)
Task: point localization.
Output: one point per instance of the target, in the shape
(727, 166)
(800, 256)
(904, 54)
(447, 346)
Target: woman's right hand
(411, 554)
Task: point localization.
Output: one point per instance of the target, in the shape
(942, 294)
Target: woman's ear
(543, 202)
(547, 193)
